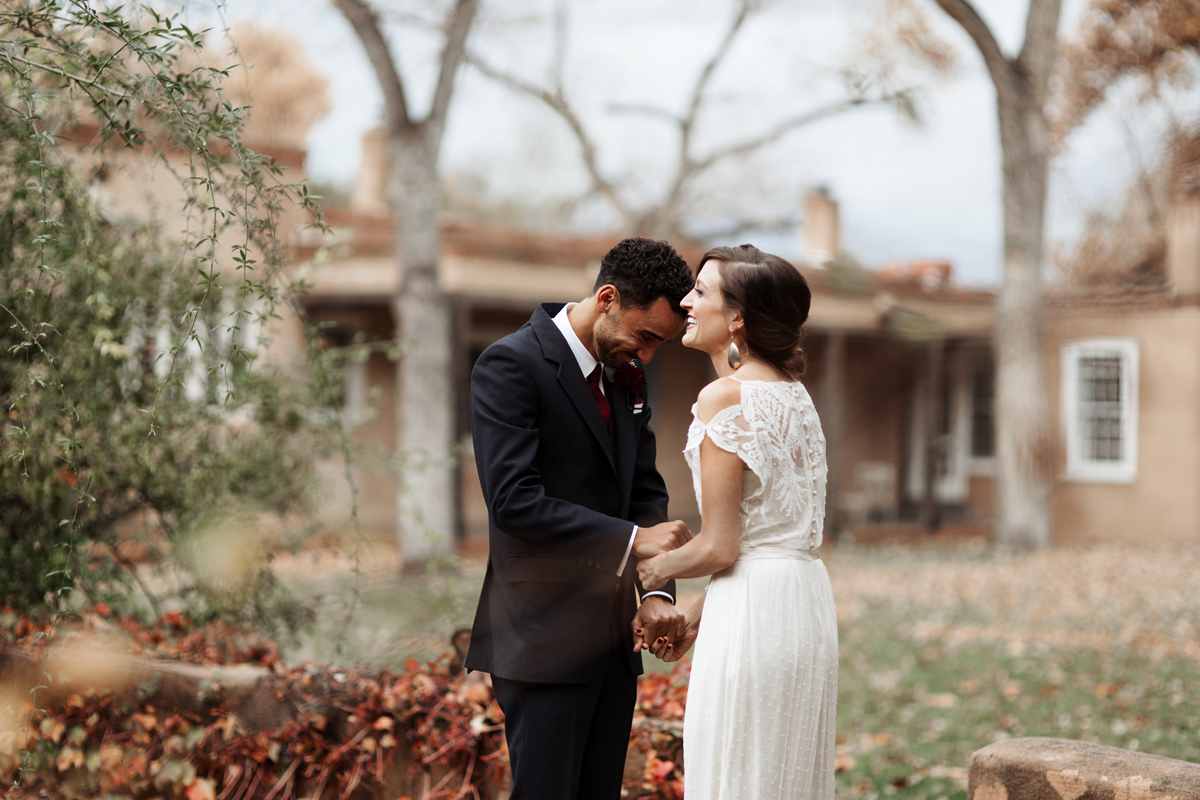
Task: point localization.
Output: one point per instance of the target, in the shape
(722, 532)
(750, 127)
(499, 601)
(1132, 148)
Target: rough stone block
(1062, 769)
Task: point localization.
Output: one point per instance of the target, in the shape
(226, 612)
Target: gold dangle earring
(735, 356)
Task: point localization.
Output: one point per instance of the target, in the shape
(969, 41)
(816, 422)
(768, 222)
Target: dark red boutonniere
(631, 376)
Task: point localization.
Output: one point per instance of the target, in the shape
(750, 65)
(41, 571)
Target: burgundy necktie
(601, 402)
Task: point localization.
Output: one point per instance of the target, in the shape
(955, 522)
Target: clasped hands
(659, 626)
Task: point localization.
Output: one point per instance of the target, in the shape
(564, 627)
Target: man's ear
(607, 296)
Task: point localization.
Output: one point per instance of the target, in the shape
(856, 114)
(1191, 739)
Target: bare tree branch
(558, 65)
(558, 103)
(452, 57)
(789, 125)
(740, 226)
(646, 111)
(1040, 49)
(662, 216)
(702, 81)
(688, 120)
(1004, 76)
(662, 219)
(365, 22)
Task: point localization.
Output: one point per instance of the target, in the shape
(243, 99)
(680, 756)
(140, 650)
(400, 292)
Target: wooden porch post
(833, 389)
(930, 516)
(460, 389)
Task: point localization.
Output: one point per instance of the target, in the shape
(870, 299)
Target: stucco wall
(679, 374)
(877, 376)
(1162, 504)
(134, 183)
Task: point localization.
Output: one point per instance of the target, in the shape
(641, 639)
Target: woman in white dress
(763, 690)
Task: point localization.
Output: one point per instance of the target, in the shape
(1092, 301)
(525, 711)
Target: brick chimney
(822, 234)
(1183, 238)
(370, 187)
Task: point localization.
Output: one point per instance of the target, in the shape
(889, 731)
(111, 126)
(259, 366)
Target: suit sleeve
(648, 503)
(648, 499)
(504, 412)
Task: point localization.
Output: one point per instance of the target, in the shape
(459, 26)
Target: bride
(763, 690)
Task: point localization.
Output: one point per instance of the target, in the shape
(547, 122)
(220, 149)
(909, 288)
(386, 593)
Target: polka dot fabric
(762, 696)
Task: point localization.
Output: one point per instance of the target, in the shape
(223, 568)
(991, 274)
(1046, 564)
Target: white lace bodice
(774, 429)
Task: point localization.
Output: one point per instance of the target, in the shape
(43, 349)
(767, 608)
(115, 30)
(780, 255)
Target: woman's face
(707, 326)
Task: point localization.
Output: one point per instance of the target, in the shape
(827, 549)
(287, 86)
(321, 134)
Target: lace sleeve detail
(733, 433)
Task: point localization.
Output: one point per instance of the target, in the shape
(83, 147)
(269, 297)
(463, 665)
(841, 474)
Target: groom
(566, 463)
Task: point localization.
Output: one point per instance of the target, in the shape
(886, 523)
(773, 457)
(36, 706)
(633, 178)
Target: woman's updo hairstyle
(773, 299)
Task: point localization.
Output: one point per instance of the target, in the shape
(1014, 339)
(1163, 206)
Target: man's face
(623, 334)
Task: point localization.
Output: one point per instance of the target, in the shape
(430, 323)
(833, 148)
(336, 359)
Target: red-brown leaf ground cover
(944, 649)
(427, 730)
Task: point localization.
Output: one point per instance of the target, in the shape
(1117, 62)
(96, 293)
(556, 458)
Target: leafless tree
(1153, 42)
(1023, 446)
(425, 408)
(1151, 45)
(664, 217)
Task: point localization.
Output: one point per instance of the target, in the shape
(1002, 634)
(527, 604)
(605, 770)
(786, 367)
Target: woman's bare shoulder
(716, 396)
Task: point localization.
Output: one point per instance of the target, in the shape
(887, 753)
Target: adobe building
(1123, 367)
(899, 361)
(900, 369)
(900, 366)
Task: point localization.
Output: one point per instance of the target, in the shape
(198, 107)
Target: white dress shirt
(586, 364)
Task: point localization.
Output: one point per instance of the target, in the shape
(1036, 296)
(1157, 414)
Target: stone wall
(1062, 769)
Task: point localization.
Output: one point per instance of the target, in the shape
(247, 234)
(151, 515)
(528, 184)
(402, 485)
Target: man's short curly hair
(643, 270)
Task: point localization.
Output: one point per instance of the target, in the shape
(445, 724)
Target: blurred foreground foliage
(130, 397)
(427, 730)
(942, 651)
(340, 731)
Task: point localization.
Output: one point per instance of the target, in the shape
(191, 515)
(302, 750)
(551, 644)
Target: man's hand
(674, 650)
(660, 538)
(657, 619)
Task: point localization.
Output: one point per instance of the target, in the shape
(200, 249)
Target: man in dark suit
(566, 463)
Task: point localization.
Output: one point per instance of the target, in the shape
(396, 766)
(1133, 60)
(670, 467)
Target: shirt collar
(582, 356)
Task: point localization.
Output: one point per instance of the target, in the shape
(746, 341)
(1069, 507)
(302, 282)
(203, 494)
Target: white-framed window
(1100, 409)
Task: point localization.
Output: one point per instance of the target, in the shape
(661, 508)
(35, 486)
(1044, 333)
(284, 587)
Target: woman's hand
(651, 574)
(673, 651)
(671, 645)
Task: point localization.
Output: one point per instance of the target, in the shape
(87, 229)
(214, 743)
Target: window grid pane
(1100, 407)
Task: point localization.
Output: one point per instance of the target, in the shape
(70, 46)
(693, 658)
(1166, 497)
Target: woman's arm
(716, 546)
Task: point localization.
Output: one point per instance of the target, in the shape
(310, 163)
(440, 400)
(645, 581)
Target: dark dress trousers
(563, 492)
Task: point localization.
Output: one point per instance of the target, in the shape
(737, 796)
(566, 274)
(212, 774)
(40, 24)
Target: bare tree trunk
(425, 408)
(424, 386)
(1023, 450)
(833, 387)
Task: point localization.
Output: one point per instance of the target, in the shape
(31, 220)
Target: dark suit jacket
(563, 493)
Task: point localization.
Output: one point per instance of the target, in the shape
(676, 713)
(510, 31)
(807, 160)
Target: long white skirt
(762, 698)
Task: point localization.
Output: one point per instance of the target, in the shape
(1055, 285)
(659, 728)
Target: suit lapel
(572, 381)
(574, 384)
(624, 434)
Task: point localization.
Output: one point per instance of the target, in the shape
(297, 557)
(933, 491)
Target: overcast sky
(905, 192)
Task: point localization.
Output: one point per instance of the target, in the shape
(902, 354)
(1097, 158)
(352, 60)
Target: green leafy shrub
(128, 385)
